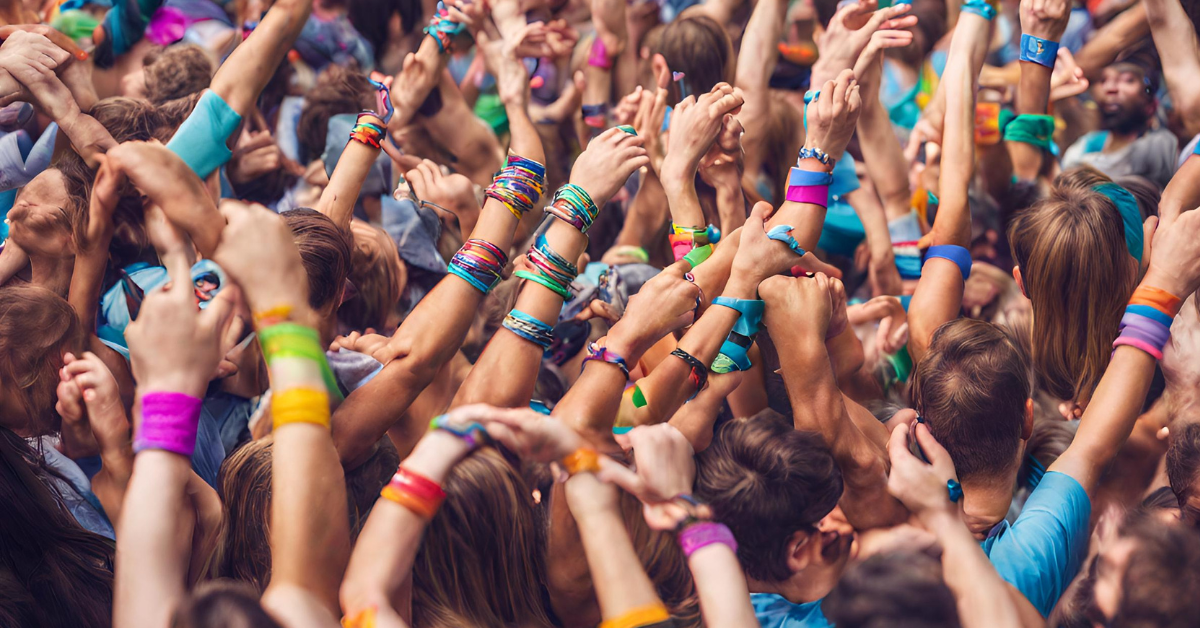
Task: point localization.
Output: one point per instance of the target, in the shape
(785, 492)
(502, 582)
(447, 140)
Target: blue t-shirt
(773, 611)
(1041, 552)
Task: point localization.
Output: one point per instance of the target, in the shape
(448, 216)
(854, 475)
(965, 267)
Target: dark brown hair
(126, 119)
(325, 252)
(222, 604)
(378, 275)
(180, 70)
(767, 481)
(1075, 268)
(52, 571)
(36, 328)
(338, 90)
(971, 388)
(1183, 461)
(899, 588)
(1161, 585)
(700, 48)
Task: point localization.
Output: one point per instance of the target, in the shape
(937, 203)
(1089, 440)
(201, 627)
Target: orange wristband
(582, 460)
(1158, 299)
(637, 617)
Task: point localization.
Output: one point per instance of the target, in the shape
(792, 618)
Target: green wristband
(1033, 129)
(538, 279)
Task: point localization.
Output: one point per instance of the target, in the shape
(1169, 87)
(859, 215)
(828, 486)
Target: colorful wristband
(696, 256)
(299, 405)
(1158, 299)
(814, 194)
(582, 460)
(1033, 129)
(1151, 313)
(783, 233)
(598, 55)
(698, 536)
(1138, 344)
(980, 8)
(602, 354)
(800, 176)
(1037, 50)
(639, 617)
(415, 492)
(954, 253)
(751, 313)
(169, 421)
(474, 434)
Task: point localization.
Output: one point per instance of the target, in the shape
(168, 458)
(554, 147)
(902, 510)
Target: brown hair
(784, 139)
(1075, 268)
(172, 113)
(664, 562)
(1183, 461)
(1161, 585)
(36, 328)
(338, 90)
(700, 48)
(181, 70)
(482, 561)
(766, 481)
(901, 588)
(379, 276)
(126, 119)
(971, 388)
(222, 604)
(325, 253)
(52, 571)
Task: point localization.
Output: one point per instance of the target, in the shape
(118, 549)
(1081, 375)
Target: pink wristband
(815, 194)
(701, 535)
(169, 423)
(598, 57)
(1137, 343)
(680, 248)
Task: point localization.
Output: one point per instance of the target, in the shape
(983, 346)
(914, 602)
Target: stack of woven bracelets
(301, 380)
(695, 244)
(698, 376)
(1147, 321)
(733, 355)
(551, 270)
(368, 129)
(602, 354)
(479, 263)
(519, 185)
(443, 29)
(573, 205)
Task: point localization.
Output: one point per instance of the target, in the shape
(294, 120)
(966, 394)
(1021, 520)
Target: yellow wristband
(300, 405)
(581, 460)
(637, 617)
(271, 316)
(362, 619)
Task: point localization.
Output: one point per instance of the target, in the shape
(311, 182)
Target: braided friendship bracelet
(479, 263)
(368, 130)
(519, 185)
(602, 354)
(573, 205)
(529, 328)
(474, 434)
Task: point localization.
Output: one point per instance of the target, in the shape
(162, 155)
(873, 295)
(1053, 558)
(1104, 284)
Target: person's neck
(1118, 140)
(53, 273)
(985, 504)
(797, 589)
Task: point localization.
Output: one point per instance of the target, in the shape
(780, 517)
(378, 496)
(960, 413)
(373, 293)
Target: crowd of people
(646, 313)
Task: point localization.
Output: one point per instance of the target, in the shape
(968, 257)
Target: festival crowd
(617, 313)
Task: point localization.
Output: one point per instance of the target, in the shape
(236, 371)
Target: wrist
(675, 174)
(628, 346)
(436, 454)
(940, 518)
(741, 286)
(1155, 278)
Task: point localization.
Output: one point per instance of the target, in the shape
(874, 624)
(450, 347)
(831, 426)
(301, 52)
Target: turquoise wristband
(980, 8)
(1037, 50)
(751, 311)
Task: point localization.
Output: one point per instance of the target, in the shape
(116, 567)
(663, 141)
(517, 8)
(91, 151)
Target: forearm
(525, 140)
(1173, 32)
(151, 568)
(242, 77)
(88, 136)
(953, 222)
(721, 587)
(679, 183)
(86, 283)
(731, 207)
(874, 218)
(647, 214)
(1183, 192)
(1122, 33)
(338, 199)
(884, 162)
(981, 596)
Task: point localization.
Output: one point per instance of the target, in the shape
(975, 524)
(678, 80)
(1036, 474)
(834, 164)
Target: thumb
(616, 473)
(937, 455)
(810, 263)
(1149, 228)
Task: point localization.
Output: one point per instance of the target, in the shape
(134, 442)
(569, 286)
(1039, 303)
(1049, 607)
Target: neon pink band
(681, 248)
(1137, 343)
(701, 535)
(169, 423)
(815, 194)
(598, 57)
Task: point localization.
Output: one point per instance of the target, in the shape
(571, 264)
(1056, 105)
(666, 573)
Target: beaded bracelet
(573, 205)
(596, 352)
(474, 434)
(415, 492)
(529, 328)
(581, 460)
(699, 373)
(169, 422)
(639, 617)
(479, 263)
(519, 185)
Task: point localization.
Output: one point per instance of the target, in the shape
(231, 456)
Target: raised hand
(921, 487)
(833, 114)
(531, 435)
(759, 257)
(800, 303)
(652, 110)
(665, 469)
(664, 304)
(1046, 19)
(607, 163)
(892, 333)
(851, 29)
(31, 60)
(452, 194)
(1175, 256)
(98, 390)
(695, 125)
(256, 250)
(724, 162)
(1067, 79)
(868, 69)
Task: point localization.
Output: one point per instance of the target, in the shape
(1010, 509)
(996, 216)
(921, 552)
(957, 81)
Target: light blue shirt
(1041, 552)
(773, 611)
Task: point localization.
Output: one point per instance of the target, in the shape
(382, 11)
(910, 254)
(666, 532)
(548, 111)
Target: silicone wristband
(581, 460)
(751, 311)
(698, 536)
(1157, 338)
(169, 421)
(639, 617)
(954, 253)
(980, 8)
(815, 194)
(1037, 50)
(598, 55)
(955, 490)
(800, 176)
(1156, 327)
(1137, 344)
(732, 357)
(696, 256)
(416, 492)
(1156, 298)
(1150, 313)
(681, 248)
(300, 405)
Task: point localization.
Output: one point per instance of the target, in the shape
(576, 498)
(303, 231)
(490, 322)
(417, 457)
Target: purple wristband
(701, 535)
(169, 423)
(1146, 327)
(815, 194)
(598, 55)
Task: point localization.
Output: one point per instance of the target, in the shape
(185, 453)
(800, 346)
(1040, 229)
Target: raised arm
(1122, 33)
(983, 599)
(174, 349)
(310, 542)
(755, 63)
(245, 73)
(799, 310)
(362, 148)
(1042, 26)
(1174, 34)
(938, 297)
(1109, 418)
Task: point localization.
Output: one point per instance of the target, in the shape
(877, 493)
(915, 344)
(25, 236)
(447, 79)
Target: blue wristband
(809, 96)
(1151, 313)
(783, 233)
(799, 176)
(733, 357)
(751, 311)
(1038, 50)
(954, 253)
(980, 8)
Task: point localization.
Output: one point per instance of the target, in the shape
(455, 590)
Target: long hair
(481, 564)
(36, 327)
(1076, 270)
(52, 571)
